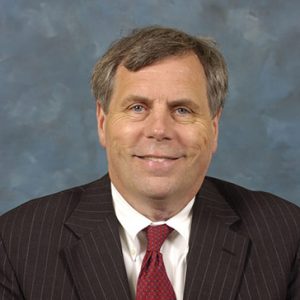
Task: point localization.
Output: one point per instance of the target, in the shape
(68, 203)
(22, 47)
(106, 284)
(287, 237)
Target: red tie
(153, 282)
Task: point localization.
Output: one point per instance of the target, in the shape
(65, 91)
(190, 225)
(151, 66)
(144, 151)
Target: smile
(157, 165)
(157, 158)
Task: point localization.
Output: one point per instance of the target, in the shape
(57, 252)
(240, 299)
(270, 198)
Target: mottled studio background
(48, 129)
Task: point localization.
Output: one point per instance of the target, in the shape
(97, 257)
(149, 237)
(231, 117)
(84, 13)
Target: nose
(159, 125)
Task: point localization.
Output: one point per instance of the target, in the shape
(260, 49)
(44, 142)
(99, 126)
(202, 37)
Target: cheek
(120, 136)
(199, 139)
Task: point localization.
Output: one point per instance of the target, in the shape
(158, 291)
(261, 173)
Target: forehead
(172, 74)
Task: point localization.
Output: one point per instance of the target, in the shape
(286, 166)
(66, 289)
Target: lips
(156, 158)
(158, 164)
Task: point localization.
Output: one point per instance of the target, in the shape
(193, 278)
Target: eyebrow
(172, 103)
(184, 102)
(135, 98)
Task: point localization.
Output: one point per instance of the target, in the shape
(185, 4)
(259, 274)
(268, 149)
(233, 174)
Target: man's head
(148, 45)
(155, 118)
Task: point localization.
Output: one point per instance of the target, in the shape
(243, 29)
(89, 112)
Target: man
(160, 94)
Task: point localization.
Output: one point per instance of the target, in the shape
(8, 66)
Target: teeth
(157, 159)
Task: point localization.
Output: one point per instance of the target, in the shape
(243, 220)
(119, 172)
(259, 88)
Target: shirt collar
(181, 222)
(131, 220)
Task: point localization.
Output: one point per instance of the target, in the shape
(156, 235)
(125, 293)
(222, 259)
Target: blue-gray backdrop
(48, 129)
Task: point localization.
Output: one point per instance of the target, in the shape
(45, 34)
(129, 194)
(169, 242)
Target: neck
(159, 210)
(156, 208)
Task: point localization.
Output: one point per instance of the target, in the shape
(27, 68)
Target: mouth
(156, 158)
(158, 165)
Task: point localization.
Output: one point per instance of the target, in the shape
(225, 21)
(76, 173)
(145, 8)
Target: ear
(215, 125)
(101, 123)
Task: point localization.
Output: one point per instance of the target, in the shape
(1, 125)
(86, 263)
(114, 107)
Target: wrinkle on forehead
(183, 76)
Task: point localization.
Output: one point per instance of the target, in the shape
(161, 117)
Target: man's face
(158, 133)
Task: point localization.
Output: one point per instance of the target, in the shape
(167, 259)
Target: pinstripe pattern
(246, 247)
(243, 245)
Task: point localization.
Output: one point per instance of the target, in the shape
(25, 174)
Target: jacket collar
(217, 253)
(95, 261)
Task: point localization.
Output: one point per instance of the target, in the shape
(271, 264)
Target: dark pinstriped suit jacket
(243, 245)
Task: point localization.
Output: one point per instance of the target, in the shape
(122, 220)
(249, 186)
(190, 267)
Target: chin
(157, 191)
(158, 196)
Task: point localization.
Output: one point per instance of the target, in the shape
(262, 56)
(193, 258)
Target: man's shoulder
(256, 204)
(61, 203)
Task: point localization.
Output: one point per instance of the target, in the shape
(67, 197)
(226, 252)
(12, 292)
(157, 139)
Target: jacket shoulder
(259, 206)
(43, 209)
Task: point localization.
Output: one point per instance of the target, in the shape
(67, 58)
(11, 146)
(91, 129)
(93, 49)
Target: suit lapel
(95, 261)
(217, 254)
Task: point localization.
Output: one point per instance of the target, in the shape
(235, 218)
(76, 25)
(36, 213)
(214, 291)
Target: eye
(138, 108)
(182, 111)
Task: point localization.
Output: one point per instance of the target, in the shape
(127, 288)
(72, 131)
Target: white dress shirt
(134, 243)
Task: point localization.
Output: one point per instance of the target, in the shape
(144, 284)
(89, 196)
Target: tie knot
(156, 235)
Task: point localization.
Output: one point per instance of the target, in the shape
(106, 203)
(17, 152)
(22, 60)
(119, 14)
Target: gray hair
(145, 46)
